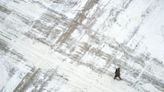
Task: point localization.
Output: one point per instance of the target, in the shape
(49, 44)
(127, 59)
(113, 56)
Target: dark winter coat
(117, 72)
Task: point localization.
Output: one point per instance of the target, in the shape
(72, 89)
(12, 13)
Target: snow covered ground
(75, 45)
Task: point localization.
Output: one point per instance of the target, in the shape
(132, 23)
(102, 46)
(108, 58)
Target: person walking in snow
(117, 74)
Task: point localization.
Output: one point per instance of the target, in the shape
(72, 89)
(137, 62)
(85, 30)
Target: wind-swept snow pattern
(76, 45)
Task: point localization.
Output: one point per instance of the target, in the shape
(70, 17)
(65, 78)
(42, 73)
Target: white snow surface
(83, 41)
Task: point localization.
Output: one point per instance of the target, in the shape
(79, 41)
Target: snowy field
(76, 45)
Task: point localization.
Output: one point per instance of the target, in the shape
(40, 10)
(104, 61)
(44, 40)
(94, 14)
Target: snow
(79, 76)
(106, 36)
(31, 10)
(5, 76)
(12, 83)
(150, 87)
(69, 8)
(153, 33)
